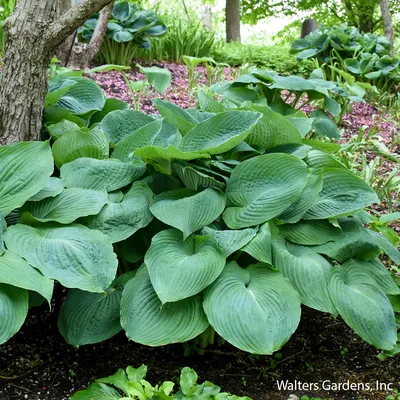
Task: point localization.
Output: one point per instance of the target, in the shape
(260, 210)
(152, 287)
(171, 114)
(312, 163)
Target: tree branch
(100, 30)
(71, 20)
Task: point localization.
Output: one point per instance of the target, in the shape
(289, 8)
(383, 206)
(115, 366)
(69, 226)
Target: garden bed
(37, 364)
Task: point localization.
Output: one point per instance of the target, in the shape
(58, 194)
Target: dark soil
(39, 365)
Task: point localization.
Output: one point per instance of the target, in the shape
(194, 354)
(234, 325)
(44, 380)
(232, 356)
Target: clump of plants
(288, 95)
(130, 384)
(219, 220)
(129, 29)
(366, 56)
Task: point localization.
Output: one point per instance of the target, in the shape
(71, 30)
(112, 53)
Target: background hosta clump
(220, 219)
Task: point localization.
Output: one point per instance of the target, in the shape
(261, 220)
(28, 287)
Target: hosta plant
(129, 29)
(188, 222)
(130, 384)
(287, 95)
(365, 56)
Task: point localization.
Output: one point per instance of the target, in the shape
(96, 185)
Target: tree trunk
(26, 61)
(387, 23)
(309, 25)
(33, 34)
(232, 15)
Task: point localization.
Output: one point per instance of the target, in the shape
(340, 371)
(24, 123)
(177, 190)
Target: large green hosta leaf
(147, 321)
(230, 240)
(342, 193)
(311, 233)
(52, 188)
(122, 217)
(175, 115)
(255, 309)
(159, 78)
(380, 273)
(91, 143)
(308, 272)
(24, 170)
(262, 187)
(83, 97)
(306, 199)
(17, 272)
(87, 318)
(76, 256)
(363, 305)
(272, 130)
(163, 156)
(13, 310)
(187, 210)
(142, 137)
(355, 242)
(220, 133)
(110, 105)
(180, 269)
(121, 123)
(109, 175)
(68, 206)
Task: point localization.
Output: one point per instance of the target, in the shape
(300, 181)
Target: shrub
(169, 227)
(133, 385)
(129, 29)
(275, 58)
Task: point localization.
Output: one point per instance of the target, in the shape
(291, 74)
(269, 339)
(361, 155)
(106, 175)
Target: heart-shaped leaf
(187, 210)
(307, 271)
(147, 321)
(363, 305)
(87, 318)
(262, 187)
(342, 193)
(180, 269)
(76, 256)
(256, 309)
(220, 133)
(121, 123)
(109, 175)
(68, 206)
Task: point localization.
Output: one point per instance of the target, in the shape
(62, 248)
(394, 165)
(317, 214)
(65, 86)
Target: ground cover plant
(203, 220)
(133, 385)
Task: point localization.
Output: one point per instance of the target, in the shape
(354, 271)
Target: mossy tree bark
(33, 34)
